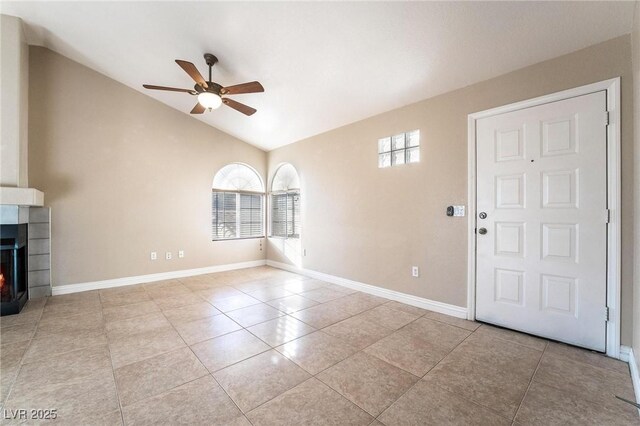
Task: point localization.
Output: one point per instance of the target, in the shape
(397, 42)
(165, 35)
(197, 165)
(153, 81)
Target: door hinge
(607, 216)
(606, 118)
(606, 313)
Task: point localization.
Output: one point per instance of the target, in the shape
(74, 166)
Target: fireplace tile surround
(38, 248)
(13, 269)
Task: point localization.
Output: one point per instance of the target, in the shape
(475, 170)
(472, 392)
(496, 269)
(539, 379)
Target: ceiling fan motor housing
(213, 88)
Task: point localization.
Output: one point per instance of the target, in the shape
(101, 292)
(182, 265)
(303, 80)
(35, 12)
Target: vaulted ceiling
(323, 64)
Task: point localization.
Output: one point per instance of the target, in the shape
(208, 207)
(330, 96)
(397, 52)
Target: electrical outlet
(181, 254)
(415, 271)
(304, 252)
(167, 255)
(154, 255)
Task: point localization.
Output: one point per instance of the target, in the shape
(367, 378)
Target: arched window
(285, 203)
(237, 208)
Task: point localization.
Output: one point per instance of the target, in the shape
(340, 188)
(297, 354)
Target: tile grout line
(221, 335)
(32, 339)
(562, 357)
(144, 289)
(159, 354)
(113, 369)
(340, 393)
(66, 352)
(363, 350)
(273, 348)
(242, 413)
(21, 362)
(510, 342)
(425, 374)
(530, 382)
(244, 328)
(196, 356)
(481, 404)
(587, 364)
(270, 348)
(482, 324)
(103, 325)
(147, 358)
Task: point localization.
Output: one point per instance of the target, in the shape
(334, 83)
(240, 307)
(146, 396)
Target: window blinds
(236, 215)
(285, 215)
(250, 215)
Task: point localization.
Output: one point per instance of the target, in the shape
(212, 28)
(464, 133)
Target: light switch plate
(458, 210)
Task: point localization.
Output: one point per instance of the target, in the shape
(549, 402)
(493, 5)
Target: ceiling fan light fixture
(209, 100)
(209, 92)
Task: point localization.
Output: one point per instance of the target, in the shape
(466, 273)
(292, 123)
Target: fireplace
(13, 268)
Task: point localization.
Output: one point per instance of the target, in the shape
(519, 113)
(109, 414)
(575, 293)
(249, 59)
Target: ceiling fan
(210, 93)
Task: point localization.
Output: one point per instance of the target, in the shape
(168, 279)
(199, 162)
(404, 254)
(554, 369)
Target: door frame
(612, 87)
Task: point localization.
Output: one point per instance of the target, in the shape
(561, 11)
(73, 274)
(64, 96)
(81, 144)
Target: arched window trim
(289, 169)
(237, 213)
(254, 172)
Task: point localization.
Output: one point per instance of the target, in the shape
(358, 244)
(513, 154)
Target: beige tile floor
(266, 347)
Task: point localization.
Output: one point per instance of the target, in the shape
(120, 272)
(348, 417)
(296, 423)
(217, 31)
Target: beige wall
(635, 42)
(14, 86)
(372, 225)
(124, 175)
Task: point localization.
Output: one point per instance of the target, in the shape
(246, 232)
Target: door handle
(482, 231)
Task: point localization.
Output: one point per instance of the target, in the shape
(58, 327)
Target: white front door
(542, 199)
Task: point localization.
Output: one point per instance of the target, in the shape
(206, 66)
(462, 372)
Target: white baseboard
(432, 305)
(119, 282)
(626, 354)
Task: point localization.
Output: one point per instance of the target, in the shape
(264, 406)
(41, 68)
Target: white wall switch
(415, 271)
(154, 255)
(181, 254)
(458, 210)
(168, 255)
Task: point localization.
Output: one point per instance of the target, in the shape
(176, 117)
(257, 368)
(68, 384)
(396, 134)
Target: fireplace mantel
(11, 196)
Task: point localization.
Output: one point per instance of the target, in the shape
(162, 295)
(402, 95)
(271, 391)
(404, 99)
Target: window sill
(235, 239)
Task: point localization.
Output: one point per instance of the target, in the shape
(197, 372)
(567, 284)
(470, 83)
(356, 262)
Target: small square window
(384, 160)
(398, 142)
(413, 155)
(398, 157)
(384, 145)
(413, 138)
(399, 149)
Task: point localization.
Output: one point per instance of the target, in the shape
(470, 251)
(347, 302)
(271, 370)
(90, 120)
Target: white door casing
(542, 181)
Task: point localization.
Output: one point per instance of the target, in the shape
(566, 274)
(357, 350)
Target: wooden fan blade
(170, 89)
(252, 87)
(246, 110)
(193, 72)
(198, 109)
